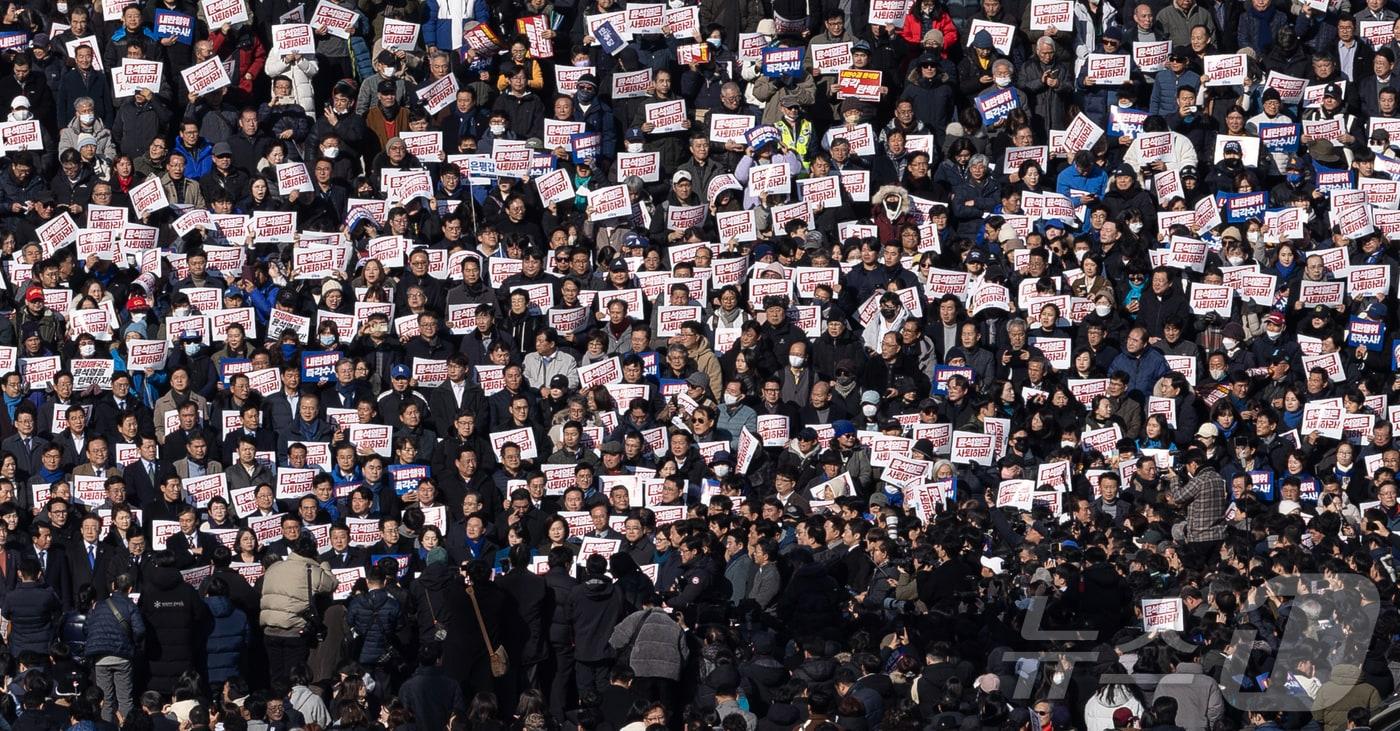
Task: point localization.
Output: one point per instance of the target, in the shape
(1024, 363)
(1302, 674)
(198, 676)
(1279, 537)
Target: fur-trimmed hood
(877, 202)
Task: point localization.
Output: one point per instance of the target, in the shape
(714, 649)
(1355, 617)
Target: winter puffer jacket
(658, 650)
(596, 607)
(118, 634)
(373, 615)
(34, 614)
(228, 638)
(287, 589)
(177, 618)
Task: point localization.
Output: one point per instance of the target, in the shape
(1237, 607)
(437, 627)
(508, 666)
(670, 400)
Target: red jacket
(914, 31)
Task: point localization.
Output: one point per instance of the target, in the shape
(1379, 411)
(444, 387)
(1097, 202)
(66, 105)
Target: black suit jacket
(331, 397)
(56, 574)
(175, 447)
(80, 573)
(72, 456)
(139, 488)
(118, 561)
(355, 557)
(264, 441)
(26, 460)
(180, 546)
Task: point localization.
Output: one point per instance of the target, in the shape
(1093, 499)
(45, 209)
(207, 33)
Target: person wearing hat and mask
(1334, 106)
(929, 89)
(387, 67)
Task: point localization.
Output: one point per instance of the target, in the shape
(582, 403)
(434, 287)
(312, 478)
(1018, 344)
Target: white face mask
(191, 348)
(1135, 227)
(498, 129)
(1217, 375)
(715, 42)
(328, 339)
(869, 409)
(1003, 81)
(1235, 260)
(87, 349)
(331, 152)
(1229, 343)
(796, 361)
(1273, 335)
(1102, 310)
(1378, 149)
(138, 317)
(389, 72)
(62, 7)
(180, 311)
(19, 115)
(721, 470)
(1067, 444)
(635, 146)
(731, 399)
(87, 118)
(1253, 237)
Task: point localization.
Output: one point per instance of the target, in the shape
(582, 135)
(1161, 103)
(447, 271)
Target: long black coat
(175, 616)
(533, 603)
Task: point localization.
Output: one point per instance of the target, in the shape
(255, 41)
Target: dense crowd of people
(844, 365)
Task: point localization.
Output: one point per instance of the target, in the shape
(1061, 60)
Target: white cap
(994, 564)
(20, 101)
(1288, 507)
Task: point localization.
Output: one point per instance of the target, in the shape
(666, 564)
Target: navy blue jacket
(34, 612)
(373, 615)
(228, 637)
(108, 635)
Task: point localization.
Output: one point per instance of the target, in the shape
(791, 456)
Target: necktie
(342, 556)
(151, 473)
(92, 556)
(44, 560)
(28, 445)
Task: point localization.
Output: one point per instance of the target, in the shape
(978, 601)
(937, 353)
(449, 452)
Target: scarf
(474, 547)
(11, 404)
(1292, 419)
(1263, 37)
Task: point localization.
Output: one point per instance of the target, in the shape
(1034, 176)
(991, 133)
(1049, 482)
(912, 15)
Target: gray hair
(80, 101)
(978, 158)
(1016, 324)
(1010, 68)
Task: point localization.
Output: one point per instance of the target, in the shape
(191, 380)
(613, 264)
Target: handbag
(314, 632)
(500, 661)
(439, 629)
